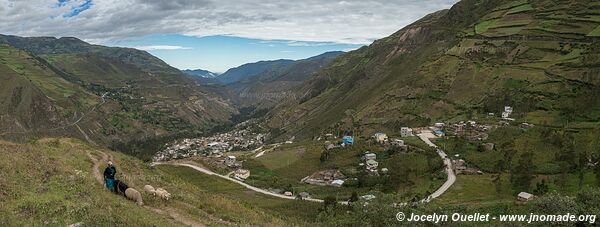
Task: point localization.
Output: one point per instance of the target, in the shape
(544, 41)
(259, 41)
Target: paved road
(447, 162)
(259, 190)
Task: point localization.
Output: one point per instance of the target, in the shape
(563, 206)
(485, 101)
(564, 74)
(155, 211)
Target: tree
(541, 188)
(353, 197)
(522, 175)
(329, 201)
(324, 156)
(498, 183)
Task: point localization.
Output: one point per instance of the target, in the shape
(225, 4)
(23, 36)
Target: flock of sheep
(134, 195)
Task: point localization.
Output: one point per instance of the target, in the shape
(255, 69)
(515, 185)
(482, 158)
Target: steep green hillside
(36, 100)
(539, 56)
(105, 95)
(55, 182)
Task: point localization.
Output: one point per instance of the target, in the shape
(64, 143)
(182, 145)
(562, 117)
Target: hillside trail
(104, 158)
(74, 123)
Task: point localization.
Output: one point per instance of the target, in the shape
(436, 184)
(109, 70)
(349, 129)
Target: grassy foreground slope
(539, 56)
(53, 182)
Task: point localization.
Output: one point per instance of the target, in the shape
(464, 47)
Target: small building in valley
(372, 165)
(439, 133)
(397, 142)
(230, 161)
(370, 156)
(337, 183)
(347, 140)
(304, 195)
(524, 196)
(406, 132)
(241, 174)
(380, 137)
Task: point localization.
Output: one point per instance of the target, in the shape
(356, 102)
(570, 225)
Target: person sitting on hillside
(109, 176)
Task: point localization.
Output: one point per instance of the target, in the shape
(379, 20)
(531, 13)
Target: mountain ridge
(124, 80)
(456, 63)
(200, 72)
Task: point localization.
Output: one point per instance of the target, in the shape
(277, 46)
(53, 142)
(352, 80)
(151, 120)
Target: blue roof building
(440, 133)
(348, 140)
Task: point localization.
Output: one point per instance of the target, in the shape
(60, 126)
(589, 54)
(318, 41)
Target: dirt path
(172, 213)
(74, 123)
(96, 166)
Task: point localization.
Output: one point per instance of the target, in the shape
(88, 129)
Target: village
(242, 138)
(218, 151)
(369, 163)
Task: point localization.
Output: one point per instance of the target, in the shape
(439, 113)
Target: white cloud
(349, 21)
(161, 47)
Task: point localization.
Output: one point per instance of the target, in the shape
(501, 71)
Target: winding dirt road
(425, 136)
(250, 187)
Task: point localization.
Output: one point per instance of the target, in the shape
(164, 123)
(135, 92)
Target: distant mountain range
(251, 70)
(265, 83)
(200, 72)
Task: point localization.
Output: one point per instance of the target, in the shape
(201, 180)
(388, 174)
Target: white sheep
(162, 193)
(150, 190)
(134, 195)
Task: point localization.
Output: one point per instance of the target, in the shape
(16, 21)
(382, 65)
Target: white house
(380, 137)
(397, 142)
(406, 132)
(368, 197)
(241, 174)
(524, 196)
(507, 112)
(337, 183)
(370, 156)
(372, 164)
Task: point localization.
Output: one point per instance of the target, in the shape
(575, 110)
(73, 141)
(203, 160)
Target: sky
(217, 34)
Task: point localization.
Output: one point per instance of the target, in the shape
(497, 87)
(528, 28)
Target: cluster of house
(326, 178)
(215, 145)
(346, 141)
(383, 139)
(470, 130)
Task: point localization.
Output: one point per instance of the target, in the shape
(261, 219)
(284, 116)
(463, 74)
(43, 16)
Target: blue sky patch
(75, 10)
(219, 53)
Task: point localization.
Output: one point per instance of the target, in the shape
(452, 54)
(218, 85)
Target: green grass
(294, 209)
(476, 189)
(52, 85)
(484, 26)
(482, 191)
(41, 185)
(595, 32)
(520, 9)
(281, 158)
(284, 167)
(50, 182)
